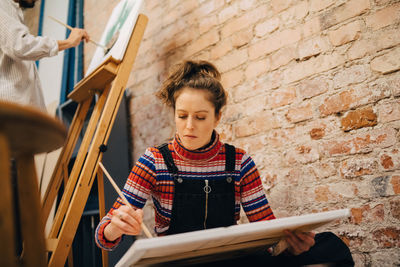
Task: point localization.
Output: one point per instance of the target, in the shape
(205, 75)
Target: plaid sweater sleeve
(137, 189)
(252, 196)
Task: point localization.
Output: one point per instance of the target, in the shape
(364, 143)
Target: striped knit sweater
(150, 177)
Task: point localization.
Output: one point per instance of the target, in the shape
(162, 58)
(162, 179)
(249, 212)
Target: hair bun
(201, 67)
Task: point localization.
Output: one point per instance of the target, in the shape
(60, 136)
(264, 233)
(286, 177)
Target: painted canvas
(117, 33)
(202, 246)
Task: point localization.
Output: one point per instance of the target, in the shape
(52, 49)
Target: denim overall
(204, 204)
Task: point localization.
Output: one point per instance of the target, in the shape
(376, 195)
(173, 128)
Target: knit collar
(203, 154)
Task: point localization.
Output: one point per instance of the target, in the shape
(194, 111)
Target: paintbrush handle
(62, 23)
(70, 28)
(144, 228)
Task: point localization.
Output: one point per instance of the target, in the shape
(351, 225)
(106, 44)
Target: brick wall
(314, 92)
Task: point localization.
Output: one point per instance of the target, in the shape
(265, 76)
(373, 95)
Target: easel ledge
(95, 81)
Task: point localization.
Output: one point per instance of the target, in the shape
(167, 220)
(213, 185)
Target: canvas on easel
(200, 246)
(117, 33)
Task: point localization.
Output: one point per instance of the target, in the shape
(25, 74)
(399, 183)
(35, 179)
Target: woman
(196, 181)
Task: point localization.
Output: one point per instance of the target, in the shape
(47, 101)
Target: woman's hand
(125, 221)
(299, 242)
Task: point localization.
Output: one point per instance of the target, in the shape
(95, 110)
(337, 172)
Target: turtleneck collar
(204, 153)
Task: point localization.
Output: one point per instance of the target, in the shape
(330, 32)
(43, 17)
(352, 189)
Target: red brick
(281, 97)
(386, 161)
(232, 60)
(383, 17)
(361, 143)
(353, 98)
(242, 38)
(356, 167)
(343, 12)
(312, 47)
(301, 113)
(354, 241)
(322, 193)
(388, 237)
(366, 214)
(267, 26)
(395, 208)
(388, 62)
(317, 133)
(395, 181)
(360, 118)
(357, 214)
(311, 88)
(256, 68)
(337, 103)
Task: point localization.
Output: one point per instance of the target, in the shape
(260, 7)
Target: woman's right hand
(124, 220)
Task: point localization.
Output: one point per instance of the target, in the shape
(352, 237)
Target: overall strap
(169, 161)
(230, 154)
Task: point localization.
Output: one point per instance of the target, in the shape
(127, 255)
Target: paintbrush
(70, 28)
(144, 228)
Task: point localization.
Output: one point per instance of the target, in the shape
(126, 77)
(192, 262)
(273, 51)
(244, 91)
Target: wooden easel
(108, 81)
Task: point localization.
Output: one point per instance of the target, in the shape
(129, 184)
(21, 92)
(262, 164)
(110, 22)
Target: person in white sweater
(19, 79)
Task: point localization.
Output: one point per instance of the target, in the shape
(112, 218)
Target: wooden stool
(24, 132)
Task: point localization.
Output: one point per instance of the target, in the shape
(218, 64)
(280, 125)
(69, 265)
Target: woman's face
(194, 118)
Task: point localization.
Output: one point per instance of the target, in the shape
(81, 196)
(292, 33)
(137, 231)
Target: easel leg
(31, 220)
(7, 245)
(102, 209)
(70, 258)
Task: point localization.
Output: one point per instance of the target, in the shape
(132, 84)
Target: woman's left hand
(299, 242)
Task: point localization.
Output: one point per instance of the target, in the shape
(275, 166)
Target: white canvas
(122, 19)
(198, 243)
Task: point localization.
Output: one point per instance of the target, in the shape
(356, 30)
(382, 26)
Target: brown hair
(200, 75)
